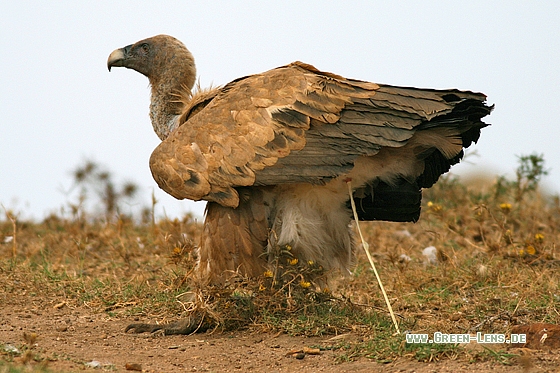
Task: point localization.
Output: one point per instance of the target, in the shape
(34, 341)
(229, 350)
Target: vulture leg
(313, 221)
(234, 239)
(233, 242)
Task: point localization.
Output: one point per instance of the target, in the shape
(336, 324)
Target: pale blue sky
(59, 105)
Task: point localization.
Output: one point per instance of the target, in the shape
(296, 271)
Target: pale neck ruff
(163, 123)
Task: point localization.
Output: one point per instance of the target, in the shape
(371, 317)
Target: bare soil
(72, 339)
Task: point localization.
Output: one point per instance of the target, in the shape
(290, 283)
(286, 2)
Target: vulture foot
(188, 325)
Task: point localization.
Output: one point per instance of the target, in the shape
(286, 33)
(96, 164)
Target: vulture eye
(145, 48)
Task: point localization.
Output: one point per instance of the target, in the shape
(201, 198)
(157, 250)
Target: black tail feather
(399, 202)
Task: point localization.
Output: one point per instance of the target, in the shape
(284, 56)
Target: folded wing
(295, 124)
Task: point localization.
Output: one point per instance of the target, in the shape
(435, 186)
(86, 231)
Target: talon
(184, 326)
(142, 328)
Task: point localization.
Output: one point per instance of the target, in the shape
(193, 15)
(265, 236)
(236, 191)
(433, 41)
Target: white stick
(366, 249)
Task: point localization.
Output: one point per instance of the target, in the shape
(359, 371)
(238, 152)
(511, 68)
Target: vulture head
(162, 58)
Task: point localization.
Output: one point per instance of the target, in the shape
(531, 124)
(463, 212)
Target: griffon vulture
(272, 154)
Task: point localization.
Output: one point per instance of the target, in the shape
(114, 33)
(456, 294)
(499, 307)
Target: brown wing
(291, 124)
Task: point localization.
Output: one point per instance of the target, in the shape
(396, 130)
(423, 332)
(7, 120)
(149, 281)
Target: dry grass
(496, 266)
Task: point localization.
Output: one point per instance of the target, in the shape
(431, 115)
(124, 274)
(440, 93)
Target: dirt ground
(77, 339)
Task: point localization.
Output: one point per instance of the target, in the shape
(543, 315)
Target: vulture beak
(118, 57)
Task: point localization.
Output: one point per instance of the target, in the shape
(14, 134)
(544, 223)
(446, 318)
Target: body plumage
(272, 153)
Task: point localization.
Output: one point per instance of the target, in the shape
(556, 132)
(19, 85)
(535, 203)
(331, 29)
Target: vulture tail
(401, 202)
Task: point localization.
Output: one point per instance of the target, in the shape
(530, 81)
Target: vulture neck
(171, 91)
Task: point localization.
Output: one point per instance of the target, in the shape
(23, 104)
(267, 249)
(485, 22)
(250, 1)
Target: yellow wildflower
(293, 261)
(539, 237)
(531, 250)
(505, 207)
(305, 284)
(268, 274)
(434, 206)
(262, 287)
